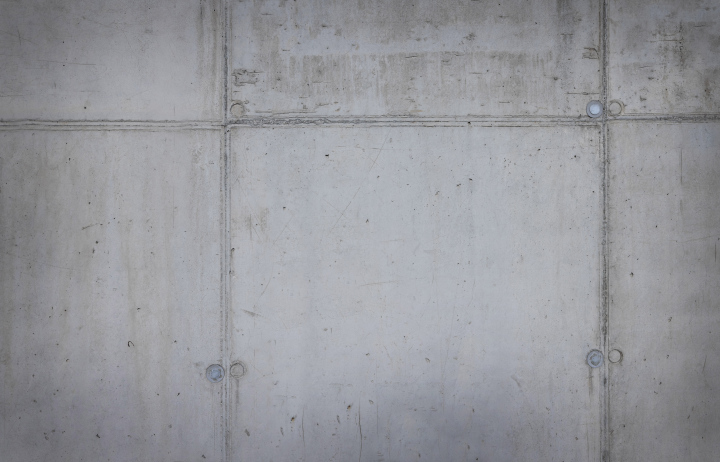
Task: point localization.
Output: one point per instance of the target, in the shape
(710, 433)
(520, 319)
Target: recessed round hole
(237, 370)
(615, 107)
(237, 110)
(615, 356)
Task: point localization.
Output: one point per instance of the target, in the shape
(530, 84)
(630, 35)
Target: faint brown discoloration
(415, 58)
(590, 53)
(244, 77)
(662, 56)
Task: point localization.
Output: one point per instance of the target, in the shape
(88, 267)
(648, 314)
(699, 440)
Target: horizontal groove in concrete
(107, 125)
(666, 117)
(523, 121)
(406, 121)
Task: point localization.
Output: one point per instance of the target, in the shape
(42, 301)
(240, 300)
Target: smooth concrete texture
(664, 191)
(110, 295)
(129, 60)
(411, 293)
(421, 58)
(393, 216)
(663, 56)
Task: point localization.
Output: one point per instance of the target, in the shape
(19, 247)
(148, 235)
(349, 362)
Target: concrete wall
(392, 223)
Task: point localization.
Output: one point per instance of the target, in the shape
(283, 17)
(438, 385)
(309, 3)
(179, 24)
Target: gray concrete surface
(426, 58)
(110, 295)
(129, 60)
(665, 290)
(394, 287)
(392, 217)
(663, 56)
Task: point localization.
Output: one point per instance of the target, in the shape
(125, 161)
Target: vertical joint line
(605, 309)
(227, 269)
(604, 57)
(226, 66)
(226, 242)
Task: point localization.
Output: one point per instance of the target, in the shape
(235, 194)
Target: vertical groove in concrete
(226, 269)
(605, 308)
(225, 289)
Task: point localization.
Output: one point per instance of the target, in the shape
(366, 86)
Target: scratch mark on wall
(253, 314)
(379, 151)
(302, 426)
(517, 381)
(344, 210)
(378, 283)
(359, 187)
(360, 425)
(283, 230)
(696, 239)
(66, 62)
(267, 284)
(32, 260)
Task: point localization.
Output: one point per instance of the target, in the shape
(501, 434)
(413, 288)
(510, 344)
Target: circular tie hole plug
(594, 358)
(615, 356)
(237, 370)
(237, 110)
(616, 107)
(594, 108)
(215, 373)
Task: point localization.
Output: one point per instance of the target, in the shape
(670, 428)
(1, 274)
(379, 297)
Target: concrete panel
(131, 60)
(416, 293)
(665, 291)
(664, 55)
(420, 58)
(109, 295)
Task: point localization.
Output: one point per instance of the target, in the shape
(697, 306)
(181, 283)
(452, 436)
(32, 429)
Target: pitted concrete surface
(665, 290)
(415, 346)
(111, 301)
(386, 230)
(129, 60)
